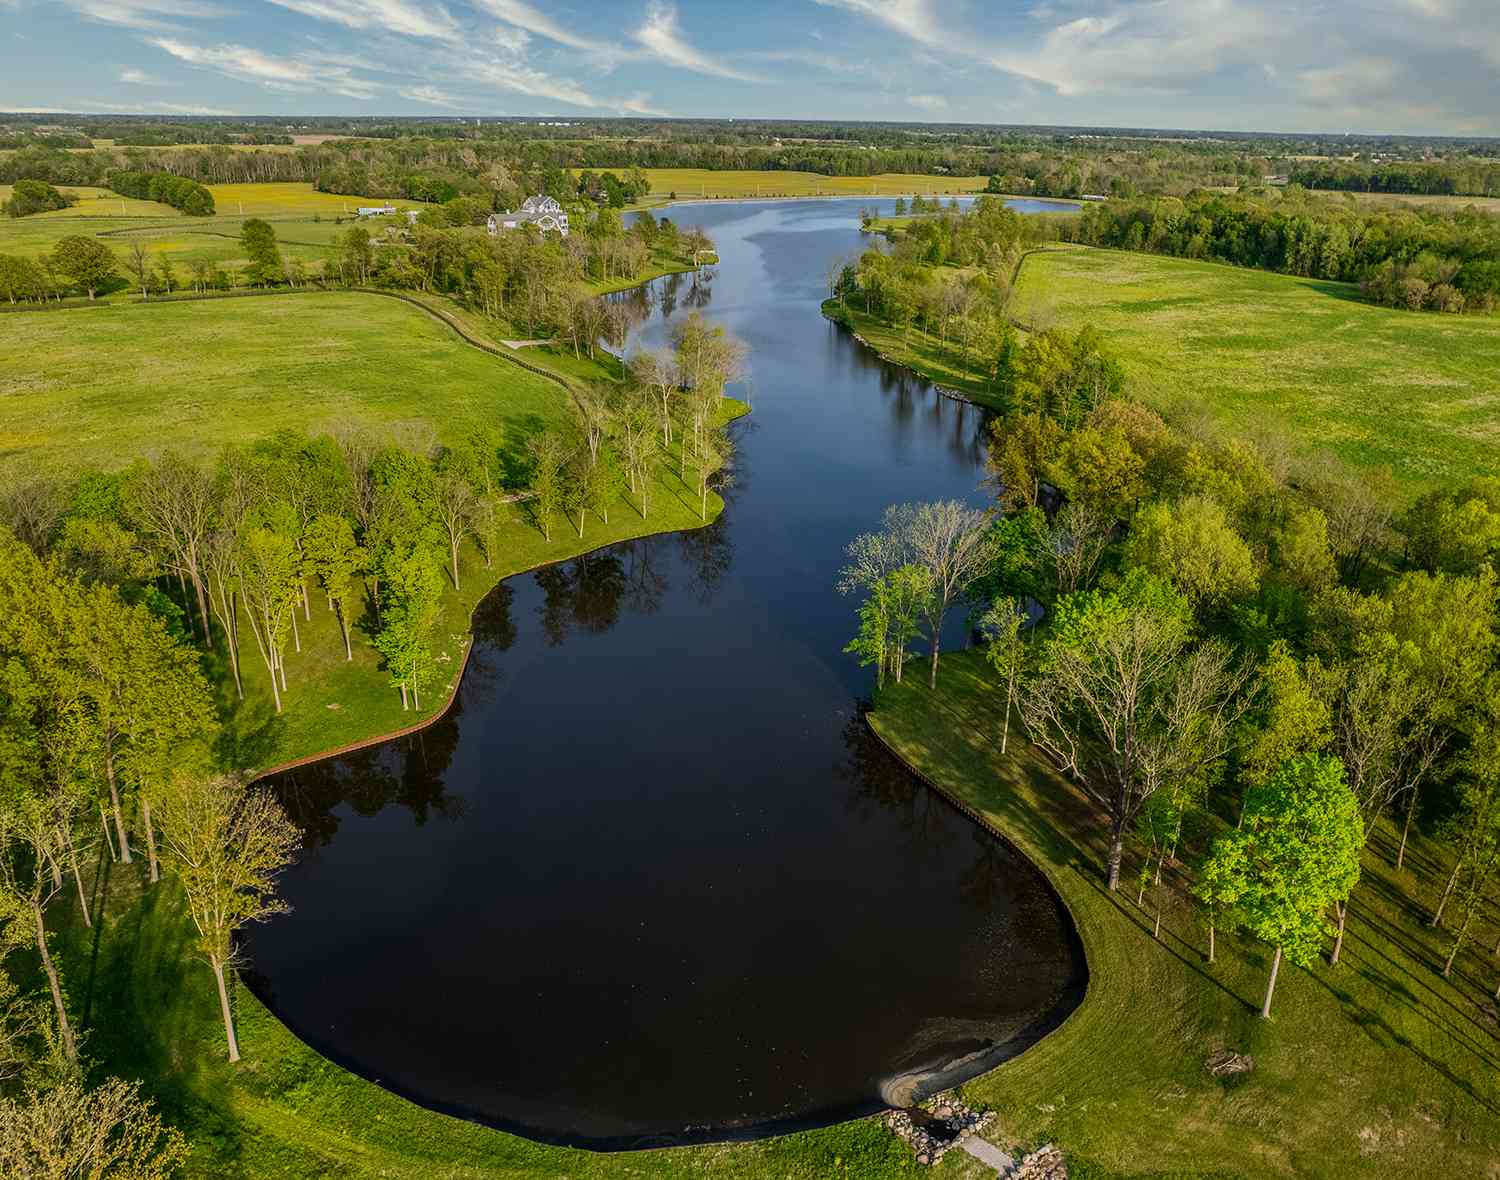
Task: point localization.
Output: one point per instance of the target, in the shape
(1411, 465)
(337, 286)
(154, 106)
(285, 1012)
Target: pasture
(102, 386)
(1250, 350)
(291, 199)
(702, 183)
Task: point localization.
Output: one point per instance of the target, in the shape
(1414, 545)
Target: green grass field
(1376, 1068)
(690, 183)
(103, 385)
(1248, 349)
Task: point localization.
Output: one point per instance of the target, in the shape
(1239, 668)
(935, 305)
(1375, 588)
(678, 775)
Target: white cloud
(144, 14)
(137, 77)
(397, 16)
(808, 57)
(916, 19)
(640, 104)
(929, 102)
(430, 95)
(661, 38)
(530, 19)
(518, 77)
(275, 73)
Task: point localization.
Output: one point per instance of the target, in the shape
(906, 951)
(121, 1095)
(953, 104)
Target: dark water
(650, 880)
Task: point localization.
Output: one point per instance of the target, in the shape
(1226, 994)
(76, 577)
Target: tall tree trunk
(72, 850)
(453, 550)
(104, 823)
(234, 1045)
(344, 628)
(1437, 916)
(203, 613)
(1116, 851)
(1411, 810)
(1265, 1008)
(1458, 942)
(155, 870)
(1005, 733)
(114, 798)
(64, 1028)
(296, 635)
(1210, 942)
(1341, 908)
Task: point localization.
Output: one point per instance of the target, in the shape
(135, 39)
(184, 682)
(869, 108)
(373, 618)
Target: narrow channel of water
(650, 881)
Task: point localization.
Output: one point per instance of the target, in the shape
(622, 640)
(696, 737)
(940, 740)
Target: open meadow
(701, 183)
(1251, 350)
(196, 375)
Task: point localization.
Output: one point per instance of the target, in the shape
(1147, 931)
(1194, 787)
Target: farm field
(1491, 204)
(1247, 349)
(196, 375)
(290, 199)
(689, 183)
(96, 202)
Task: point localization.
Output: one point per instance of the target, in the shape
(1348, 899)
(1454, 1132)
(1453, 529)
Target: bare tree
(33, 507)
(229, 842)
(1079, 536)
(173, 501)
(1122, 704)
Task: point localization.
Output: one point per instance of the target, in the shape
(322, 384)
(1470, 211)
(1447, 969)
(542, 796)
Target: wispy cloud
(137, 77)
(511, 74)
(530, 19)
(144, 14)
(430, 95)
(660, 36)
(395, 16)
(276, 73)
(932, 103)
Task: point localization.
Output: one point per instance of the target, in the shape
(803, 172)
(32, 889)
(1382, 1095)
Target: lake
(650, 881)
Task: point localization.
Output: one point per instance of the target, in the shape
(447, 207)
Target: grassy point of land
(944, 363)
(1376, 1068)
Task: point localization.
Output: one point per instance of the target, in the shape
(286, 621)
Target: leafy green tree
(85, 260)
(268, 577)
(1006, 652)
(258, 240)
(549, 457)
(1192, 545)
(889, 619)
(414, 598)
(333, 558)
(33, 196)
(1295, 854)
(1291, 716)
(1125, 703)
(228, 843)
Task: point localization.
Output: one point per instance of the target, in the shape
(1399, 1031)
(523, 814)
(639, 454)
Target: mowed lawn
(102, 386)
(291, 199)
(97, 202)
(1376, 1068)
(1415, 391)
(688, 183)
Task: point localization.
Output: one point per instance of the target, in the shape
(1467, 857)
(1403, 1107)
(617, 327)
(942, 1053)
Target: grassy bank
(942, 362)
(1375, 1068)
(1248, 349)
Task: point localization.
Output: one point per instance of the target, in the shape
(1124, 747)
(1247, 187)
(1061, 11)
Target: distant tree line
(1461, 177)
(1450, 255)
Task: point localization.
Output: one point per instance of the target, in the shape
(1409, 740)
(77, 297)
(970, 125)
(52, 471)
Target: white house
(543, 212)
(375, 210)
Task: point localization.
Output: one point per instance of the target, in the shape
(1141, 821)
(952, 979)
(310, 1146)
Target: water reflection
(650, 879)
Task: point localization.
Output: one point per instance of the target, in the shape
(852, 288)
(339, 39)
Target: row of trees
(106, 726)
(1457, 251)
(180, 192)
(1221, 630)
(1461, 177)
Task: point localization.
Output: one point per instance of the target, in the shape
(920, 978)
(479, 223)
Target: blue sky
(1425, 66)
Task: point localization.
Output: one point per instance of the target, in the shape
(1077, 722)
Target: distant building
(543, 212)
(375, 210)
(1093, 197)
